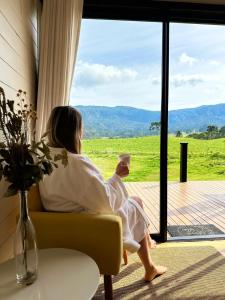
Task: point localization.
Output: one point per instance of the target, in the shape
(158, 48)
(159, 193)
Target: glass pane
(117, 88)
(197, 117)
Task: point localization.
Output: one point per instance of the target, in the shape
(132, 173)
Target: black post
(183, 162)
(164, 132)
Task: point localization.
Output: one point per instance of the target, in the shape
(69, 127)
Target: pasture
(206, 158)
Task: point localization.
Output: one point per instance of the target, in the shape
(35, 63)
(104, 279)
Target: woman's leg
(151, 271)
(151, 242)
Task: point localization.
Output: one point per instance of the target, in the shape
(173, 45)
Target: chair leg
(108, 287)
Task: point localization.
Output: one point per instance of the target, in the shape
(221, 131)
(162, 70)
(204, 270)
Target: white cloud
(136, 93)
(98, 74)
(214, 62)
(181, 80)
(156, 80)
(186, 59)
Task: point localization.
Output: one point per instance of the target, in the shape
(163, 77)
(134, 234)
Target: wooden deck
(193, 202)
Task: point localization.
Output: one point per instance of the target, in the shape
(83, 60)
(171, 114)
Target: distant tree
(178, 133)
(193, 135)
(203, 136)
(212, 131)
(196, 135)
(222, 131)
(155, 126)
(212, 128)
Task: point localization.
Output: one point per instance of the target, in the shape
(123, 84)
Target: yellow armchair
(99, 236)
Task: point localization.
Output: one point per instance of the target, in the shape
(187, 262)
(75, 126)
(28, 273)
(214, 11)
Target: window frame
(146, 10)
(164, 12)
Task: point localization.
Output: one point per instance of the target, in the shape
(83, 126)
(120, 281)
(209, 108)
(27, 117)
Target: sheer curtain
(60, 29)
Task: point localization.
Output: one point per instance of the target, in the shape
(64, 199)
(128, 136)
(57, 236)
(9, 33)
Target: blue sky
(119, 63)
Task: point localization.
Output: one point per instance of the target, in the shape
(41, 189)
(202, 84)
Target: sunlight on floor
(219, 245)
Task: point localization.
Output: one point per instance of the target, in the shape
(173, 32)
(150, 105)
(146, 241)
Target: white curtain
(60, 30)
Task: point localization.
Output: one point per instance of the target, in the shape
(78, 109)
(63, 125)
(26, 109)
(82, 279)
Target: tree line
(212, 132)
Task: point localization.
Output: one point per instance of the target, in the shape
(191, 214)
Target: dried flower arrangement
(23, 161)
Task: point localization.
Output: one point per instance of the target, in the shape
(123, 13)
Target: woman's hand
(122, 169)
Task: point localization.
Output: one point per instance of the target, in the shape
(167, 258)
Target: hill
(124, 121)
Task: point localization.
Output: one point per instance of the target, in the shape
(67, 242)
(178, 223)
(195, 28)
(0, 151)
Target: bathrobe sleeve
(101, 196)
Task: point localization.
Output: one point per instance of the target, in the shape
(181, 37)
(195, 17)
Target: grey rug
(191, 230)
(194, 273)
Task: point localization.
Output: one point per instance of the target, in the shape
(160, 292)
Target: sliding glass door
(196, 202)
(132, 104)
(117, 88)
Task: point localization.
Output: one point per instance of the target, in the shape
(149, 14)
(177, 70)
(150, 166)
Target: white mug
(125, 157)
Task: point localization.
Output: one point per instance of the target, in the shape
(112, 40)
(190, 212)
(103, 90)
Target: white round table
(63, 274)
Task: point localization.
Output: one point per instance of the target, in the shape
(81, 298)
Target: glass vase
(25, 246)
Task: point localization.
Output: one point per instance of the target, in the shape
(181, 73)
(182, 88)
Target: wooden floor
(193, 202)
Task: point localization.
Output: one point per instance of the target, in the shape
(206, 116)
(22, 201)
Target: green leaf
(2, 145)
(12, 190)
(55, 165)
(29, 158)
(5, 154)
(47, 167)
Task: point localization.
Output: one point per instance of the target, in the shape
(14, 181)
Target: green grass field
(206, 158)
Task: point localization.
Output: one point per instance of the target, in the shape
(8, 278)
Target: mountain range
(125, 121)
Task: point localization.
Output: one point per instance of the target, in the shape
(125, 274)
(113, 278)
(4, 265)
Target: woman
(80, 187)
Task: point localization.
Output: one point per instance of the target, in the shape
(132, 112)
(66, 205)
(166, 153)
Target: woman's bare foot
(154, 272)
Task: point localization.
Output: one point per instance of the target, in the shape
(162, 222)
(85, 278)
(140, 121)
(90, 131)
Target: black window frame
(153, 10)
(164, 12)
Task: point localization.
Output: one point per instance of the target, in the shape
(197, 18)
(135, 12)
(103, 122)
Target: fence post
(183, 162)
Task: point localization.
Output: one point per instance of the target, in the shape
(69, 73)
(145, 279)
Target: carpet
(194, 273)
(191, 230)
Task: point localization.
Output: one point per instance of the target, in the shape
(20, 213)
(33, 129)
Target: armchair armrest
(99, 236)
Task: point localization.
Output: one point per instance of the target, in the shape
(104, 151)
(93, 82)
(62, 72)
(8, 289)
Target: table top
(62, 274)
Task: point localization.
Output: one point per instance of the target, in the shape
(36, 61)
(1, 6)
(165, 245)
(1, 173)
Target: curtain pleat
(60, 30)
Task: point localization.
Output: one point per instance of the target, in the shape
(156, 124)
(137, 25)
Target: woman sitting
(79, 187)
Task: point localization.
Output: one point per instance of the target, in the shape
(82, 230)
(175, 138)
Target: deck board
(189, 203)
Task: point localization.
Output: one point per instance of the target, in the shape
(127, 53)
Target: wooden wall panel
(8, 225)
(18, 70)
(18, 34)
(6, 250)
(11, 56)
(7, 205)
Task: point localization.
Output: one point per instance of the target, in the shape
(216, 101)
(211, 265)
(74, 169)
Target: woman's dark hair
(64, 129)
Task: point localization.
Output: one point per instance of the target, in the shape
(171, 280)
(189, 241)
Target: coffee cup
(125, 157)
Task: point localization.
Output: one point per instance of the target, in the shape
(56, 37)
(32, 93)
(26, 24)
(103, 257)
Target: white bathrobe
(80, 187)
